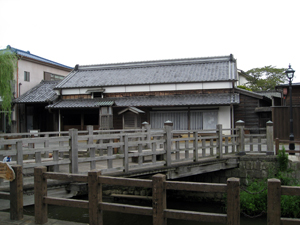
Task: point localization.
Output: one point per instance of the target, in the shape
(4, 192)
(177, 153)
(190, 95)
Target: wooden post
(274, 196)
(95, 196)
(19, 153)
(168, 127)
(233, 201)
(159, 199)
(90, 141)
(195, 145)
(147, 128)
(55, 160)
(46, 145)
(73, 152)
(40, 190)
(126, 160)
(16, 194)
(270, 138)
(219, 141)
(240, 125)
(277, 145)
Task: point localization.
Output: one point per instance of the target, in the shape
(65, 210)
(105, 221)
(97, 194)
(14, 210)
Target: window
(201, 119)
(52, 76)
(26, 76)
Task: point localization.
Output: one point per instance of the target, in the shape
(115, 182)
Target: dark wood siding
(281, 119)
(245, 111)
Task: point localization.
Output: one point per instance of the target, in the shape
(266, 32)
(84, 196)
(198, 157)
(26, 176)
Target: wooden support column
(16, 194)
(240, 125)
(19, 153)
(92, 151)
(95, 196)
(40, 191)
(233, 201)
(147, 128)
(219, 141)
(195, 145)
(270, 138)
(73, 152)
(126, 160)
(274, 196)
(159, 199)
(168, 127)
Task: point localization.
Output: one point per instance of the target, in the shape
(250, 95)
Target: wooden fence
(159, 211)
(275, 190)
(15, 194)
(278, 141)
(126, 150)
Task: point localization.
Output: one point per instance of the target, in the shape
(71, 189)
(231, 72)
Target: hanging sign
(6, 172)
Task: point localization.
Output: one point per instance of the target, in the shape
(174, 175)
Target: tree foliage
(265, 78)
(8, 64)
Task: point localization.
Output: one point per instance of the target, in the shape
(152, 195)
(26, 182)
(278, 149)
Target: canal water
(82, 216)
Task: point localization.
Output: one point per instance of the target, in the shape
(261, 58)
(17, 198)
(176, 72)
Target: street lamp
(290, 74)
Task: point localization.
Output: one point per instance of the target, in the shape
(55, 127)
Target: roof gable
(153, 72)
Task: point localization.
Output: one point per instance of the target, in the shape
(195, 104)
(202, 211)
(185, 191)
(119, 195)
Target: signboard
(6, 172)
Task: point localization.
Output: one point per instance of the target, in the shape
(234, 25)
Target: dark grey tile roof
(81, 103)
(140, 101)
(43, 92)
(153, 72)
(35, 57)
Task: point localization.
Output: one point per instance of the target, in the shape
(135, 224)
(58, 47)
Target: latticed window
(106, 118)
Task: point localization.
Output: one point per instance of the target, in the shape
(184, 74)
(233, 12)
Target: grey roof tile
(152, 72)
(41, 93)
(144, 101)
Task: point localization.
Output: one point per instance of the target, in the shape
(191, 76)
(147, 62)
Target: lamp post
(290, 74)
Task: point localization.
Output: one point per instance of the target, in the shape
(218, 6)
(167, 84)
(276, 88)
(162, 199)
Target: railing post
(19, 153)
(240, 125)
(40, 190)
(219, 141)
(16, 194)
(159, 199)
(233, 201)
(147, 128)
(73, 152)
(126, 160)
(95, 196)
(90, 141)
(274, 196)
(195, 146)
(168, 127)
(270, 138)
(276, 146)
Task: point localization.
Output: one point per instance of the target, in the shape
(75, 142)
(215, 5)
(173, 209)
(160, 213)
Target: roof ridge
(150, 63)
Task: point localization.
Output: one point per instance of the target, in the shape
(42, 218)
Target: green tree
(265, 78)
(8, 65)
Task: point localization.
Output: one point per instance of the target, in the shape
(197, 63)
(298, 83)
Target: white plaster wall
(224, 118)
(242, 80)
(36, 74)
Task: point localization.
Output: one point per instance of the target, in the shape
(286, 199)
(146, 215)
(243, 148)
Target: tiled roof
(143, 101)
(43, 92)
(35, 57)
(81, 103)
(153, 72)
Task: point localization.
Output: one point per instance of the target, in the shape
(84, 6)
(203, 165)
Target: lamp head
(290, 72)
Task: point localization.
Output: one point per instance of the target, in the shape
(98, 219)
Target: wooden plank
(66, 177)
(40, 191)
(67, 202)
(5, 195)
(233, 201)
(16, 193)
(290, 190)
(159, 199)
(124, 182)
(289, 221)
(196, 216)
(95, 196)
(122, 208)
(192, 186)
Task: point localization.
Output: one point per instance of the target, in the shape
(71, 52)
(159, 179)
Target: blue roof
(35, 57)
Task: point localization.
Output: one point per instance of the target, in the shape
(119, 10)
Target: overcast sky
(258, 32)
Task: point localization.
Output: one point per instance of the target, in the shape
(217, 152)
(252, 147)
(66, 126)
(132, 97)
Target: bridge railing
(126, 150)
(159, 211)
(15, 194)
